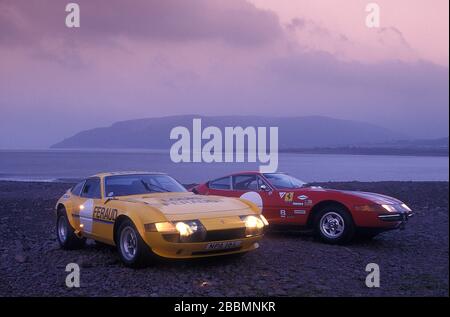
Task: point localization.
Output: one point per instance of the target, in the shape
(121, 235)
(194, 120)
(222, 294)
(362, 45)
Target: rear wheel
(333, 224)
(132, 249)
(66, 234)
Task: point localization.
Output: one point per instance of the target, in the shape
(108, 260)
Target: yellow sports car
(150, 214)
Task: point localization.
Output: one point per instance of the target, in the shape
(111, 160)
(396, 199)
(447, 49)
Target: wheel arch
(319, 206)
(135, 220)
(60, 208)
(120, 219)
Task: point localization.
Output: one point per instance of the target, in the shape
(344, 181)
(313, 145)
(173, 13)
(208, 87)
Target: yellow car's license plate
(223, 245)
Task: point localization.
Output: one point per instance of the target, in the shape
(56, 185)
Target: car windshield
(284, 181)
(125, 185)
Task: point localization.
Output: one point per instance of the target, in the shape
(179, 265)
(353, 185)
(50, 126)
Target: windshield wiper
(148, 185)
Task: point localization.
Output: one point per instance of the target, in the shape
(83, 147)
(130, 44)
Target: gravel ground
(413, 262)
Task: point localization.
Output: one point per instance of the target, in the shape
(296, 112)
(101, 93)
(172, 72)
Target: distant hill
(441, 143)
(294, 132)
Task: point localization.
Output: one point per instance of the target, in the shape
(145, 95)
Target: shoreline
(189, 185)
(368, 151)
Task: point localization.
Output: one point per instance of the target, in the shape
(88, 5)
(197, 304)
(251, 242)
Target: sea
(70, 165)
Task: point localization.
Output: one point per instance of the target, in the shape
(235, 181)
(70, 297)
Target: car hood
(189, 203)
(372, 197)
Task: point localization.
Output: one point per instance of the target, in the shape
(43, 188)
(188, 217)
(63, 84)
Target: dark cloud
(408, 97)
(235, 22)
(138, 79)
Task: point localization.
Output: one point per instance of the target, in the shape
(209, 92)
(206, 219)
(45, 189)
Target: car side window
(245, 182)
(76, 190)
(262, 184)
(223, 183)
(91, 189)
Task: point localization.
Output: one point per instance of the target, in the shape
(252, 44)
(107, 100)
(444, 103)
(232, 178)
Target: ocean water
(52, 165)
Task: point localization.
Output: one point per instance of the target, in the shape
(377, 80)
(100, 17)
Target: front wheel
(132, 249)
(66, 234)
(333, 224)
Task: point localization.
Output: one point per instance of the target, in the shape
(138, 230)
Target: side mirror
(263, 187)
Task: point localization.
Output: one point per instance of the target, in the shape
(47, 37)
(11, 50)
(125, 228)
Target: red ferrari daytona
(335, 216)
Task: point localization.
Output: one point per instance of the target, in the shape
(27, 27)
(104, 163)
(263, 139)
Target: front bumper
(395, 217)
(185, 250)
(400, 219)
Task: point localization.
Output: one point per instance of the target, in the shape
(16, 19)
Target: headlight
(405, 206)
(366, 208)
(389, 208)
(254, 225)
(253, 222)
(184, 229)
(162, 227)
(180, 231)
(264, 220)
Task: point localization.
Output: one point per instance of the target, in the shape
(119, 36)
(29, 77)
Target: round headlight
(184, 229)
(253, 222)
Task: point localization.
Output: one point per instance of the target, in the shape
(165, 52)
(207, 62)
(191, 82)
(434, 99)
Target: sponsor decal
(299, 212)
(295, 203)
(105, 214)
(288, 197)
(282, 194)
(188, 200)
(283, 213)
(302, 197)
(309, 202)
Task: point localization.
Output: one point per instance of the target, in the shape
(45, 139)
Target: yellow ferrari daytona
(149, 215)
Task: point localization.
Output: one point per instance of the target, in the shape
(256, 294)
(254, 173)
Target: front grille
(226, 234)
(215, 235)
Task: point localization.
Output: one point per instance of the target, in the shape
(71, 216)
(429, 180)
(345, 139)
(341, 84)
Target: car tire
(333, 224)
(133, 250)
(65, 234)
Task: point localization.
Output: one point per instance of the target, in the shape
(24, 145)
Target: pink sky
(219, 57)
(424, 24)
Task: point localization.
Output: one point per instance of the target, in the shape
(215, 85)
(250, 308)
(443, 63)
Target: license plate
(223, 245)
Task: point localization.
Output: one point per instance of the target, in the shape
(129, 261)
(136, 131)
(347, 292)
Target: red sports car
(335, 216)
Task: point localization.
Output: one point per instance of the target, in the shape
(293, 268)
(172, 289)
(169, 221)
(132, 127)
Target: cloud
(168, 57)
(235, 22)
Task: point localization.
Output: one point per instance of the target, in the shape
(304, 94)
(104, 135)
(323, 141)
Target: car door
(73, 204)
(254, 189)
(90, 205)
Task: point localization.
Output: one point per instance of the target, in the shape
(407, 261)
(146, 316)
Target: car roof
(251, 172)
(245, 172)
(105, 174)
